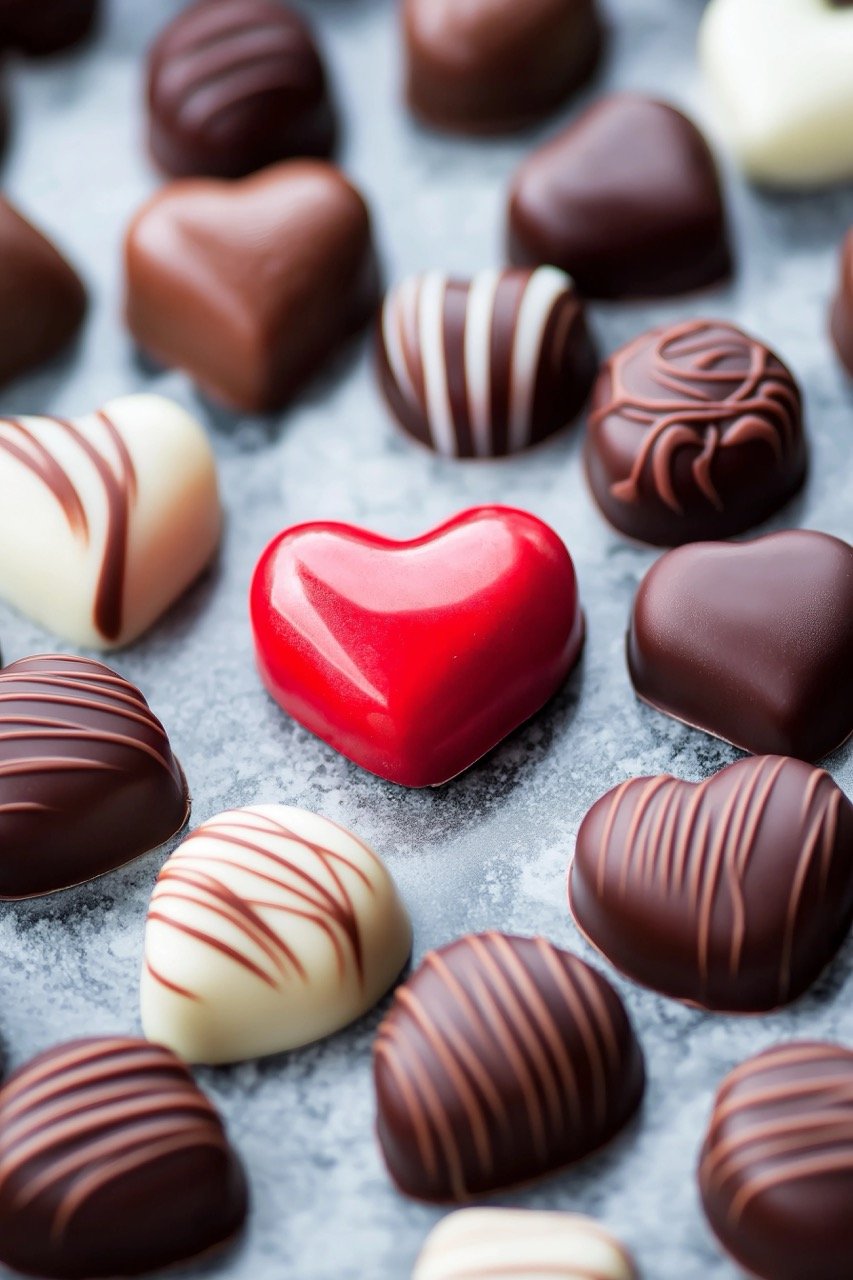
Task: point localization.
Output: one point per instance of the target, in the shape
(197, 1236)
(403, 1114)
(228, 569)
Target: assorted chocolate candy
(842, 311)
(41, 27)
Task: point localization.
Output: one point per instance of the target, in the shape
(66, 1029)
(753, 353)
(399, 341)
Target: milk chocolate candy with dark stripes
(502, 1059)
(42, 27)
(732, 894)
(776, 1173)
(88, 780)
(112, 1163)
(235, 85)
(485, 367)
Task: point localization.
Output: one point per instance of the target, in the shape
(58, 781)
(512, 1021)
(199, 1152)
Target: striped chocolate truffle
(112, 1163)
(234, 86)
(502, 1059)
(518, 1244)
(268, 928)
(776, 1170)
(88, 780)
(486, 367)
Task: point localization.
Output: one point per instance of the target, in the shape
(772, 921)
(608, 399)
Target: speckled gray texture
(490, 850)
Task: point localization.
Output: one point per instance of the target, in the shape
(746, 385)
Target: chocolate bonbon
(502, 1059)
(732, 894)
(268, 928)
(112, 1162)
(485, 367)
(695, 431)
(42, 299)
(751, 642)
(416, 658)
(842, 311)
(88, 780)
(41, 27)
(777, 1163)
(518, 1244)
(126, 502)
(235, 85)
(492, 66)
(251, 286)
(779, 76)
(627, 200)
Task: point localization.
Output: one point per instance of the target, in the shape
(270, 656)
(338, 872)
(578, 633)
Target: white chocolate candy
(781, 72)
(105, 520)
(518, 1244)
(269, 928)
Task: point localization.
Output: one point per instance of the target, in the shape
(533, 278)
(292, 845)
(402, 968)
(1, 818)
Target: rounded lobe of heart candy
(627, 200)
(842, 311)
(777, 1163)
(112, 1162)
(751, 642)
(42, 27)
(486, 367)
(696, 431)
(414, 659)
(269, 928)
(502, 1059)
(88, 780)
(732, 895)
(235, 85)
(518, 1244)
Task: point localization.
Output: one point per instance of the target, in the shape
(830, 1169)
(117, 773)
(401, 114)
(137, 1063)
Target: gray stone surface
(491, 850)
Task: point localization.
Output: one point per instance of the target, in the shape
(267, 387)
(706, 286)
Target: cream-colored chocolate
(518, 1244)
(105, 520)
(268, 928)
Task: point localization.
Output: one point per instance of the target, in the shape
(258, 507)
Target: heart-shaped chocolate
(779, 71)
(416, 658)
(732, 894)
(751, 642)
(251, 286)
(107, 519)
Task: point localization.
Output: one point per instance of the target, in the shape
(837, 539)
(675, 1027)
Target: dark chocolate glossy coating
(695, 431)
(502, 1059)
(88, 779)
(842, 310)
(751, 642)
(42, 27)
(626, 199)
(112, 1163)
(251, 286)
(493, 66)
(776, 1172)
(732, 894)
(235, 85)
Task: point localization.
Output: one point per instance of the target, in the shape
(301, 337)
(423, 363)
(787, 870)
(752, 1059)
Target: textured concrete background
(491, 849)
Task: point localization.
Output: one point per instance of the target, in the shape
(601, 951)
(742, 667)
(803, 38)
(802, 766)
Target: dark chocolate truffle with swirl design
(112, 1163)
(485, 367)
(502, 1059)
(234, 86)
(696, 431)
(88, 780)
(732, 894)
(776, 1170)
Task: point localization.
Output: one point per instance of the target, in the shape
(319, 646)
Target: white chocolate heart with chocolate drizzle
(781, 72)
(107, 519)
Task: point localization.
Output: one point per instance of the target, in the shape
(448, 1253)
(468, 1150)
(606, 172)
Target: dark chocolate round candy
(235, 85)
(776, 1173)
(492, 66)
(112, 1163)
(42, 27)
(485, 367)
(502, 1059)
(627, 200)
(842, 311)
(732, 894)
(695, 431)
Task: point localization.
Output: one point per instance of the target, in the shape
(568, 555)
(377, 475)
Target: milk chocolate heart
(732, 894)
(751, 642)
(251, 286)
(780, 73)
(416, 658)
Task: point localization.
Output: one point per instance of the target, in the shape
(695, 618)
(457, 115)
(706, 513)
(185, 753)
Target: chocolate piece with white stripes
(485, 367)
(502, 1059)
(112, 1162)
